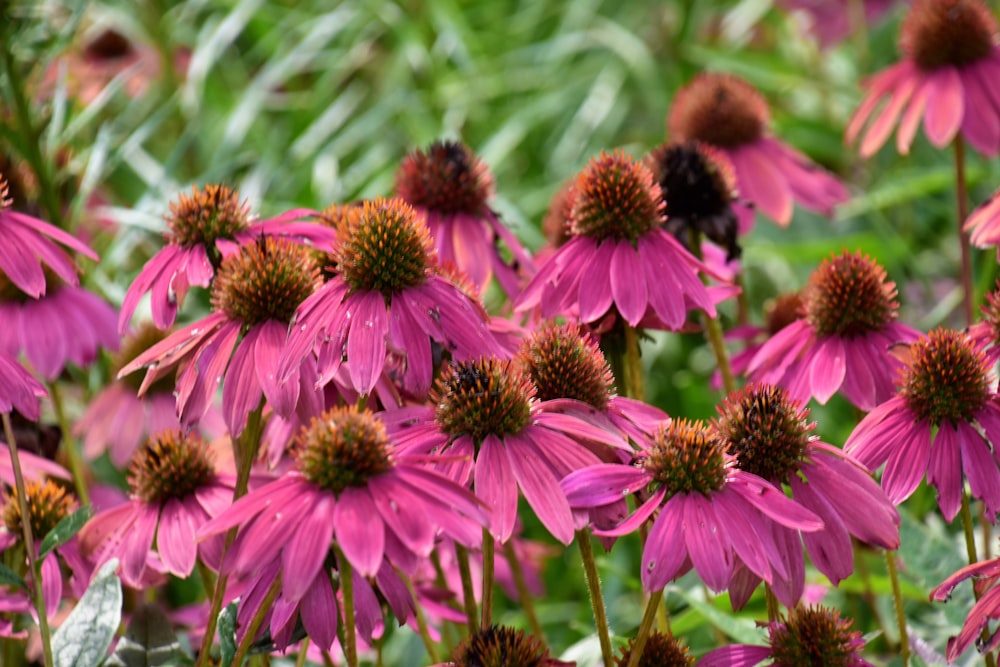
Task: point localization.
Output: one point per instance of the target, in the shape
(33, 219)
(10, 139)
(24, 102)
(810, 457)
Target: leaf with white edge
(9, 577)
(65, 530)
(227, 634)
(84, 637)
(743, 630)
(149, 641)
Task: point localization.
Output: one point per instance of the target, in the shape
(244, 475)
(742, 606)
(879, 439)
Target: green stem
(639, 645)
(897, 597)
(596, 596)
(468, 594)
(76, 468)
(962, 201)
(256, 621)
(773, 607)
(347, 591)
(300, 659)
(29, 541)
(527, 604)
(714, 333)
(425, 634)
(489, 562)
(635, 379)
(970, 548)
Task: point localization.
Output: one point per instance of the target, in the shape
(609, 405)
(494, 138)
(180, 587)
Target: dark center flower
(849, 295)
(448, 178)
(482, 397)
(814, 637)
(782, 311)
(991, 314)
(207, 216)
(109, 45)
(615, 197)
(170, 464)
(137, 342)
(661, 650)
(765, 430)
(341, 448)
(947, 379)
(501, 646)
(556, 224)
(563, 362)
(937, 33)
(718, 109)
(383, 246)
(265, 280)
(48, 504)
(686, 457)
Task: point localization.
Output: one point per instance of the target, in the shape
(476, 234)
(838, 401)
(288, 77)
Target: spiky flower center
(137, 342)
(170, 464)
(556, 224)
(937, 33)
(615, 197)
(991, 314)
(718, 109)
(661, 650)
(207, 216)
(343, 447)
(563, 362)
(447, 178)
(48, 504)
(765, 430)
(500, 646)
(109, 45)
(685, 457)
(482, 397)
(814, 637)
(265, 280)
(849, 295)
(948, 378)
(383, 246)
(782, 311)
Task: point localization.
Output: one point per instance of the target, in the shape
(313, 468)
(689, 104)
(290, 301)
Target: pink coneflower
(502, 646)
(830, 21)
(175, 489)
(203, 229)
(984, 224)
(619, 256)
(779, 312)
(841, 343)
(727, 112)
(769, 435)
(19, 390)
(950, 77)
(29, 244)
(254, 297)
(986, 332)
(711, 513)
(946, 388)
(660, 650)
(451, 186)
(486, 420)
(987, 607)
(387, 296)
(809, 636)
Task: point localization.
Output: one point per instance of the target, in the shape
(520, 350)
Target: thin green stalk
(970, 548)
(29, 541)
(773, 607)
(635, 379)
(897, 597)
(489, 563)
(639, 645)
(527, 603)
(962, 201)
(69, 444)
(350, 627)
(867, 594)
(424, 632)
(256, 621)
(300, 659)
(596, 596)
(713, 330)
(468, 592)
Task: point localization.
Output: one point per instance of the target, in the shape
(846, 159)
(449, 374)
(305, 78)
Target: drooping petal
(319, 612)
(707, 542)
(628, 286)
(662, 558)
(944, 470)
(366, 339)
(360, 531)
(907, 463)
(496, 485)
(541, 490)
(173, 538)
(945, 105)
(736, 655)
(302, 556)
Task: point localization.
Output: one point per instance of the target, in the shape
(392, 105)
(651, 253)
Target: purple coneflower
(986, 332)
(711, 513)
(660, 650)
(830, 21)
(987, 607)
(620, 256)
(387, 296)
(779, 312)
(502, 646)
(946, 388)
(254, 297)
(809, 636)
(727, 112)
(841, 343)
(451, 186)
(984, 224)
(175, 489)
(769, 435)
(203, 229)
(949, 77)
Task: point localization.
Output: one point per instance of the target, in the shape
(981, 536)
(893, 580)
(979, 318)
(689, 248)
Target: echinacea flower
(620, 256)
(502, 646)
(451, 187)
(711, 513)
(830, 21)
(728, 113)
(779, 312)
(203, 228)
(254, 297)
(842, 340)
(29, 244)
(986, 332)
(949, 77)
(987, 607)
(809, 636)
(660, 650)
(387, 296)
(946, 389)
(983, 224)
(486, 421)
(768, 434)
(175, 489)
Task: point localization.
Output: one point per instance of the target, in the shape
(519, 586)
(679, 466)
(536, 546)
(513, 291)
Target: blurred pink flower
(983, 224)
(830, 20)
(987, 607)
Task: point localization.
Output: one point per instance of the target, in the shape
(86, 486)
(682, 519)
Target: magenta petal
(944, 470)
(945, 105)
(774, 503)
(707, 542)
(910, 123)
(664, 554)
(877, 86)
(52, 584)
(360, 531)
(641, 514)
(366, 339)
(595, 292)
(828, 367)
(737, 655)
(628, 285)
(138, 542)
(319, 612)
(496, 485)
(762, 183)
(602, 484)
(241, 392)
(173, 538)
(267, 352)
(980, 124)
(829, 549)
(880, 129)
(302, 556)
(404, 514)
(980, 468)
(907, 463)
(541, 490)
(742, 524)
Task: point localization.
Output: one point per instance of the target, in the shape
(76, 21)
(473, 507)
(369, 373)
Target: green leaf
(84, 637)
(743, 630)
(149, 641)
(9, 577)
(227, 634)
(65, 530)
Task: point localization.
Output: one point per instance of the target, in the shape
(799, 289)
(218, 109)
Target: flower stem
(29, 541)
(468, 594)
(713, 332)
(970, 549)
(69, 444)
(347, 591)
(596, 597)
(489, 547)
(635, 380)
(773, 608)
(425, 634)
(962, 200)
(527, 604)
(256, 621)
(897, 597)
(639, 645)
(300, 659)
